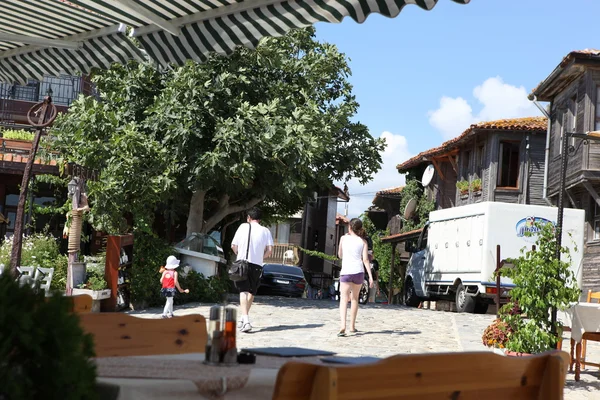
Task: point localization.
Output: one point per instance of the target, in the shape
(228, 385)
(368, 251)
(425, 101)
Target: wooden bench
(453, 376)
(120, 335)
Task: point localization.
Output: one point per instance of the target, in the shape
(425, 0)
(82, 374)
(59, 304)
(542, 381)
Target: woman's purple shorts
(357, 279)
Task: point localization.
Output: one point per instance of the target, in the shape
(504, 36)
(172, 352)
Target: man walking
(260, 246)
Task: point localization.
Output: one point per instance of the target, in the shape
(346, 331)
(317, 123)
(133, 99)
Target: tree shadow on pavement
(287, 327)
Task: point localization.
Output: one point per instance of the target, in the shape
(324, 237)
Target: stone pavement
(383, 331)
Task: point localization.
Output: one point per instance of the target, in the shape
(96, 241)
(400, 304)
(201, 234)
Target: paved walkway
(383, 331)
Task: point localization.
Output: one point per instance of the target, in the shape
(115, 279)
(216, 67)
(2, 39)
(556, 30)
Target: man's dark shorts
(253, 282)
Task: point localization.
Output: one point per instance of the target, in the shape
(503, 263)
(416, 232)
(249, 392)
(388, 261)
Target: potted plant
(44, 353)
(496, 335)
(541, 282)
(463, 188)
(94, 284)
(476, 187)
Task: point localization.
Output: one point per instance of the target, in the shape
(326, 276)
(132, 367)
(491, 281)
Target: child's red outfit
(168, 285)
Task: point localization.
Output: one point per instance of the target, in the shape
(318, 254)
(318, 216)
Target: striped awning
(54, 37)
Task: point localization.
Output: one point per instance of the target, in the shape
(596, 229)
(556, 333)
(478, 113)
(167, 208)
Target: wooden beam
(592, 192)
(570, 199)
(453, 163)
(437, 168)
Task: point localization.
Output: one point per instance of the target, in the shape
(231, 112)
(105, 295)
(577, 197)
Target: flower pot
(96, 295)
(464, 195)
(477, 193)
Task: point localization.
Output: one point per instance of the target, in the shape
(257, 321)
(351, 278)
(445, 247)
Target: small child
(169, 282)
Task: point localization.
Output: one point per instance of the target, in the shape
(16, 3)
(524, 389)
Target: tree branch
(228, 209)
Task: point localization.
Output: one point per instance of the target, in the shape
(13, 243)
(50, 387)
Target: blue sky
(425, 76)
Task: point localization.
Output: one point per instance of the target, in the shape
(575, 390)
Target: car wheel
(481, 308)
(464, 302)
(363, 295)
(410, 295)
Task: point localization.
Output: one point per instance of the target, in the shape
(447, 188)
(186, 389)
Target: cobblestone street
(383, 331)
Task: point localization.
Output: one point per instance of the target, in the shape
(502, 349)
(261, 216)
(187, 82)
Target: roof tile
(512, 124)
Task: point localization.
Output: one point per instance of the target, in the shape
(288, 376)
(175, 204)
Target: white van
(455, 256)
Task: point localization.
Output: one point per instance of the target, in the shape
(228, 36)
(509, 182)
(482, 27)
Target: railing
(283, 249)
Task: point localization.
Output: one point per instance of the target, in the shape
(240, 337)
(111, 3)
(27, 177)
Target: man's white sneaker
(247, 327)
(240, 325)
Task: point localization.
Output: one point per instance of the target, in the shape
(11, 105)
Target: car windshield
(283, 269)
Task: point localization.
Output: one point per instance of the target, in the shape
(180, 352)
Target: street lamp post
(564, 147)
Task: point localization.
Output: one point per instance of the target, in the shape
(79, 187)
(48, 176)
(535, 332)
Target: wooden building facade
(497, 161)
(573, 91)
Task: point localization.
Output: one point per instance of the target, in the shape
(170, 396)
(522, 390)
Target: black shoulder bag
(238, 271)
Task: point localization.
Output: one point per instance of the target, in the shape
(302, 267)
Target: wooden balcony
(281, 249)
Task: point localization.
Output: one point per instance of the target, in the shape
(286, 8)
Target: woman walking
(353, 251)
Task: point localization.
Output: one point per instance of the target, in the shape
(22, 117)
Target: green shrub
(149, 254)
(18, 134)
(39, 250)
(44, 353)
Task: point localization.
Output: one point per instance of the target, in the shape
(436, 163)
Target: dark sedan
(279, 279)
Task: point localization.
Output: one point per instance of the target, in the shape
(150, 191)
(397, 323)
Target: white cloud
(499, 100)
(361, 196)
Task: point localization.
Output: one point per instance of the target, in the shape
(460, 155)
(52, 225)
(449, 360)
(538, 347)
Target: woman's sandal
(342, 333)
(353, 331)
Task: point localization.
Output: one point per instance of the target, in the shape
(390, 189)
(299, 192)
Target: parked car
(279, 279)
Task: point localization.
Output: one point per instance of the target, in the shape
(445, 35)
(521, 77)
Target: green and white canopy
(54, 37)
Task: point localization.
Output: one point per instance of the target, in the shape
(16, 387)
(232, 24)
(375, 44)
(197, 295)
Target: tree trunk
(226, 209)
(195, 221)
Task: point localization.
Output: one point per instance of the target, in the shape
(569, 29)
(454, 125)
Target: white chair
(288, 255)
(26, 276)
(43, 278)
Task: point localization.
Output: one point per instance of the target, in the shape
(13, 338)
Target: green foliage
(215, 136)
(381, 252)
(95, 269)
(149, 254)
(204, 290)
(413, 189)
(541, 282)
(44, 352)
(17, 134)
(462, 186)
(476, 185)
(59, 279)
(319, 254)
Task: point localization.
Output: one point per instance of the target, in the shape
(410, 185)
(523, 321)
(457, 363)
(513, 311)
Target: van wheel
(464, 302)
(363, 295)
(410, 295)
(481, 308)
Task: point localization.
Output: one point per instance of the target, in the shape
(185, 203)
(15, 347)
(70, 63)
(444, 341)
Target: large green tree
(260, 126)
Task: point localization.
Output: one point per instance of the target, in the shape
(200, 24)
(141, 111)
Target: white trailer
(455, 256)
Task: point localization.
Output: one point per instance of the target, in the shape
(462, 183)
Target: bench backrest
(118, 335)
(482, 375)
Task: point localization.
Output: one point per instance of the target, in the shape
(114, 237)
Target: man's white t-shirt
(259, 240)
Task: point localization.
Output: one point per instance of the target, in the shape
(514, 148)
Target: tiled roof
(593, 54)
(393, 190)
(341, 219)
(511, 124)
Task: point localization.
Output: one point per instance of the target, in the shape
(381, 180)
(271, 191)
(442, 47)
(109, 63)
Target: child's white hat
(172, 262)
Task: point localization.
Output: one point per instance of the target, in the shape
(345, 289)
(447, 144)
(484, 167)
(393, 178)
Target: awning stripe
(203, 26)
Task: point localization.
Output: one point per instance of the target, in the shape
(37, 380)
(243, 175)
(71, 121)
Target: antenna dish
(428, 175)
(409, 210)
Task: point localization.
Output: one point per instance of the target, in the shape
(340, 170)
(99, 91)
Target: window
(465, 164)
(595, 220)
(508, 164)
(479, 160)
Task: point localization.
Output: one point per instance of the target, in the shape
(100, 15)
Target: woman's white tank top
(352, 248)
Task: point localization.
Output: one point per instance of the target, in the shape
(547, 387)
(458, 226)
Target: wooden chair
(119, 335)
(593, 336)
(482, 375)
(81, 304)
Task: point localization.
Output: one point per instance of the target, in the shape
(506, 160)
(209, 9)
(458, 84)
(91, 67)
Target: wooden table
(585, 319)
(184, 376)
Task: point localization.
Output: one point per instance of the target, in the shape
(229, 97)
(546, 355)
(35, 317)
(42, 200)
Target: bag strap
(248, 247)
